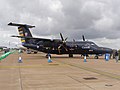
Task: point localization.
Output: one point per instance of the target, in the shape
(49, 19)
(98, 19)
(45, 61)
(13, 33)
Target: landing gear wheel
(70, 55)
(96, 57)
(35, 52)
(28, 51)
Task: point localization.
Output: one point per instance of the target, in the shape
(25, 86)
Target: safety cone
(49, 60)
(85, 59)
(19, 60)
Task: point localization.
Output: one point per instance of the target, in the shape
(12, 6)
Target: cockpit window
(92, 44)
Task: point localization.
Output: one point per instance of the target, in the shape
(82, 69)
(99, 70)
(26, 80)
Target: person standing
(116, 56)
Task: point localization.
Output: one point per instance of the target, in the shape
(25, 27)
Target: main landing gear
(28, 51)
(96, 57)
(70, 55)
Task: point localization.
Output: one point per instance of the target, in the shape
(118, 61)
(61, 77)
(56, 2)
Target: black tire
(96, 57)
(70, 55)
(35, 52)
(28, 51)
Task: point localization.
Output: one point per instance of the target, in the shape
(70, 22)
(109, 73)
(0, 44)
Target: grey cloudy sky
(98, 20)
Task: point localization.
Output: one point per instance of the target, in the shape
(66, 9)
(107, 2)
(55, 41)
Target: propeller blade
(66, 39)
(59, 46)
(74, 40)
(74, 43)
(62, 37)
(59, 49)
(65, 48)
(83, 37)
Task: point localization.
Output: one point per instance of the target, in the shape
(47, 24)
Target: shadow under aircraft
(58, 46)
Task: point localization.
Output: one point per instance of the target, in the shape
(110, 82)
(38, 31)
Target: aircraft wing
(40, 39)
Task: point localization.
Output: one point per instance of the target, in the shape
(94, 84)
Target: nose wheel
(96, 57)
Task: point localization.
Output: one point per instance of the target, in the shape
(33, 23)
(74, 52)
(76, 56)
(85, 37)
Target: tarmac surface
(64, 73)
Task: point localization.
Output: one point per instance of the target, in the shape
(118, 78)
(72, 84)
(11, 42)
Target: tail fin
(24, 31)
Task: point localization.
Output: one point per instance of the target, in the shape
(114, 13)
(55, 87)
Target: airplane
(58, 46)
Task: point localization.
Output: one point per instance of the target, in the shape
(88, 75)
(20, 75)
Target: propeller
(63, 43)
(74, 43)
(83, 37)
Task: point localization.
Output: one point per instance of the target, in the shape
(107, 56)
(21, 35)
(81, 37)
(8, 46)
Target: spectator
(116, 56)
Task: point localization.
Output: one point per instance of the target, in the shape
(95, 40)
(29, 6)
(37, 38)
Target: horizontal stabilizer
(15, 24)
(18, 36)
(42, 39)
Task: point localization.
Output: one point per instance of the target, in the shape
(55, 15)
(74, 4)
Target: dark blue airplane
(58, 46)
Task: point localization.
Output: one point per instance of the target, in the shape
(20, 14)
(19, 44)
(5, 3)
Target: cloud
(96, 19)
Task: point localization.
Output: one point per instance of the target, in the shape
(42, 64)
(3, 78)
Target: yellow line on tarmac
(111, 75)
